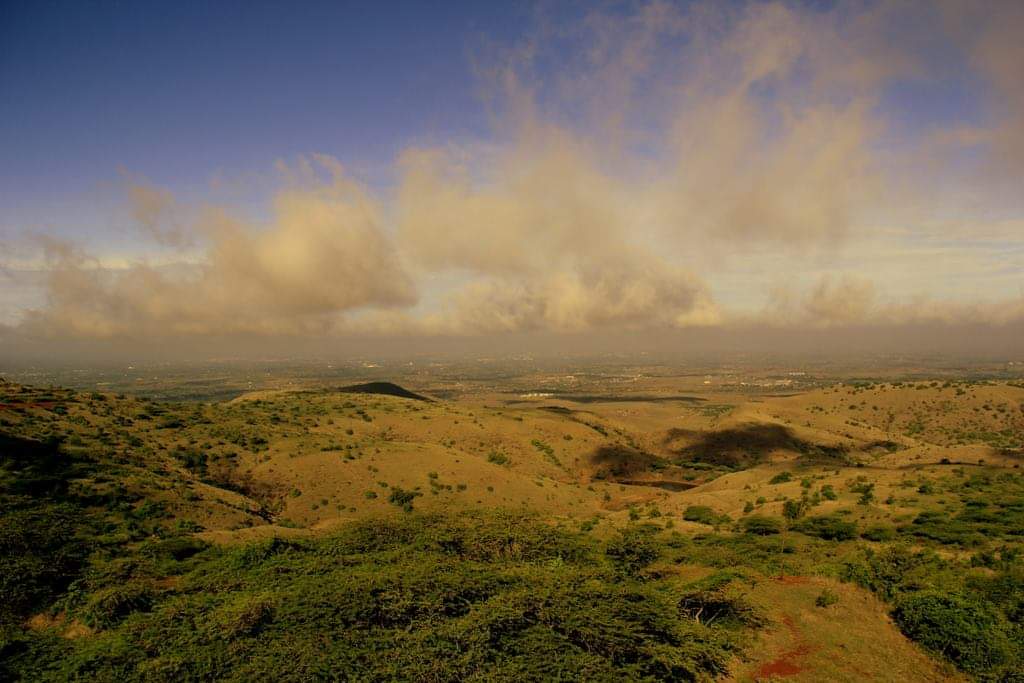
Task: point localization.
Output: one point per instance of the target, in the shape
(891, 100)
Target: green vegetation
(547, 451)
(403, 498)
(827, 527)
(972, 618)
(761, 526)
(826, 598)
(498, 458)
(704, 515)
(968, 632)
(489, 597)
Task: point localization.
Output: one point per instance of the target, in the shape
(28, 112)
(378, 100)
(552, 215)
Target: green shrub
(244, 616)
(826, 598)
(403, 498)
(892, 570)
(781, 478)
(179, 548)
(108, 606)
(40, 554)
(760, 525)
(879, 532)
(968, 633)
(495, 596)
(497, 458)
(827, 527)
(702, 514)
(721, 598)
(633, 549)
(794, 509)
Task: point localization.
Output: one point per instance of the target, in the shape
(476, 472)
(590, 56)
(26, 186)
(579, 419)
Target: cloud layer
(658, 167)
(322, 253)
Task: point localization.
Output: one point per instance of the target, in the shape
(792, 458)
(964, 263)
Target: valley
(782, 504)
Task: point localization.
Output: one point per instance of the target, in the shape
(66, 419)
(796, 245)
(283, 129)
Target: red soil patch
(786, 664)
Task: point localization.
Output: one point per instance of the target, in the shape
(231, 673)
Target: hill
(383, 389)
(751, 528)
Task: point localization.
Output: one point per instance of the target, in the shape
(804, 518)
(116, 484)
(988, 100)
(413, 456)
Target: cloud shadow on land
(743, 446)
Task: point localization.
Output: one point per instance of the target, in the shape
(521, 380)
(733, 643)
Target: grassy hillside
(291, 535)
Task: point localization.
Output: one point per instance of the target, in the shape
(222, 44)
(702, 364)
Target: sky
(204, 179)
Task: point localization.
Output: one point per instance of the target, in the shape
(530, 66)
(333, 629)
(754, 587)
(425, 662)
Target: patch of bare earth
(853, 640)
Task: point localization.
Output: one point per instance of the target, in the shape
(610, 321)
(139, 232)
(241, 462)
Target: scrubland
(860, 531)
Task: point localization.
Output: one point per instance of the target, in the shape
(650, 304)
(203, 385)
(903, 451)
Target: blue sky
(179, 91)
(173, 91)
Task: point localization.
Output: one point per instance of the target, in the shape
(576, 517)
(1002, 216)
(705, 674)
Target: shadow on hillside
(33, 468)
(621, 461)
(743, 446)
(560, 410)
(634, 467)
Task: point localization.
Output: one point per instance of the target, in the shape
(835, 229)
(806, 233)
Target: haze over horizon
(190, 180)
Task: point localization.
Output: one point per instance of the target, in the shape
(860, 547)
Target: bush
(968, 633)
(794, 509)
(403, 498)
(180, 548)
(702, 514)
(827, 598)
(892, 571)
(40, 554)
(720, 598)
(781, 478)
(827, 527)
(497, 458)
(633, 549)
(760, 525)
(879, 532)
(496, 596)
(108, 606)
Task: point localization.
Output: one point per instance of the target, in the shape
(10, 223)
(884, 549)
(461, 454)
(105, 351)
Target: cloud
(831, 301)
(550, 241)
(323, 253)
(847, 300)
(989, 36)
(155, 211)
(575, 302)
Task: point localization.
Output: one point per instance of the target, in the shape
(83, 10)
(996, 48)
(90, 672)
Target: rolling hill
(813, 533)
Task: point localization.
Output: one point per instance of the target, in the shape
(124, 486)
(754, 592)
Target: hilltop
(383, 389)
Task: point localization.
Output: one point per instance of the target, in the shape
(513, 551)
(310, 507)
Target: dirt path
(853, 640)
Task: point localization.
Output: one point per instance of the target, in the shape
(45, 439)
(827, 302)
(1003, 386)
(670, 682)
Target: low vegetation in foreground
(484, 597)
